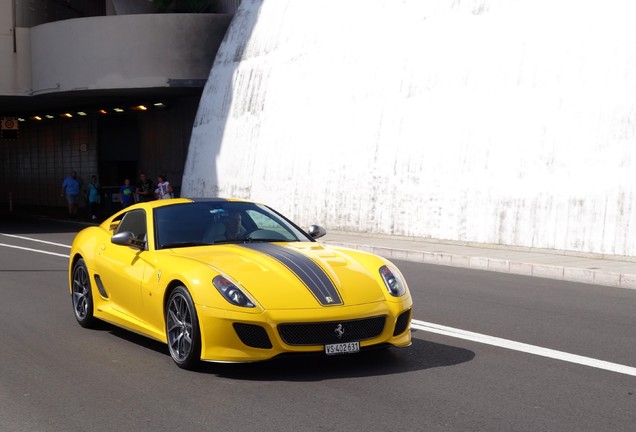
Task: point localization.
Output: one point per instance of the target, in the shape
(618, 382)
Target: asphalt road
(56, 376)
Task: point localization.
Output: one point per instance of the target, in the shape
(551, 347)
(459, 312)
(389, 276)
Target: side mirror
(127, 238)
(316, 231)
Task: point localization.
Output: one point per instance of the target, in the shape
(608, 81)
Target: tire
(82, 295)
(182, 329)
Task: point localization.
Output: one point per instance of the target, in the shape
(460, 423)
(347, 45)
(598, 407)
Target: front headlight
(393, 281)
(231, 292)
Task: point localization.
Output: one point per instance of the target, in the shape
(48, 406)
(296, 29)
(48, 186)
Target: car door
(121, 268)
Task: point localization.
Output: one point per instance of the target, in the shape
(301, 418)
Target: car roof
(217, 199)
(201, 199)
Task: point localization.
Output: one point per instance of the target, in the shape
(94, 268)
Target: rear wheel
(182, 329)
(81, 295)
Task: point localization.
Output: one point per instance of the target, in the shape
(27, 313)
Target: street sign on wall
(8, 128)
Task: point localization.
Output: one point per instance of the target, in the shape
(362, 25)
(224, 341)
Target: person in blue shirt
(94, 198)
(72, 189)
(126, 194)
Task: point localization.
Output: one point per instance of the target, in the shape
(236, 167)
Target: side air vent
(100, 287)
(402, 323)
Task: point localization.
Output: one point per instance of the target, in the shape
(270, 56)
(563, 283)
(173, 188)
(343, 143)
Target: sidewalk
(615, 271)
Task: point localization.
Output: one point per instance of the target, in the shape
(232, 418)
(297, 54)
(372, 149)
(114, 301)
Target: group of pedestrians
(144, 190)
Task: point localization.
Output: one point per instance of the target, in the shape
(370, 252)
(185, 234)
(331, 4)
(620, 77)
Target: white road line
(518, 346)
(34, 250)
(36, 240)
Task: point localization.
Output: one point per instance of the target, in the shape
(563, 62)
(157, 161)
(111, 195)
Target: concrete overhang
(88, 60)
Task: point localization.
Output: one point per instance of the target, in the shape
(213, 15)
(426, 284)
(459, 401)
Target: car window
(217, 222)
(264, 221)
(134, 221)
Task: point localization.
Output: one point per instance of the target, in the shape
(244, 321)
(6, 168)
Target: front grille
(323, 333)
(253, 335)
(402, 322)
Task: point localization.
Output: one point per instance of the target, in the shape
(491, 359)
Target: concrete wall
(123, 7)
(128, 51)
(495, 121)
(15, 55)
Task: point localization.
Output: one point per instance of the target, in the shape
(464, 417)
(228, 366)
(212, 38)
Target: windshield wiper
(251, 240)
(228, 241)
(266, 240)
(183, 244)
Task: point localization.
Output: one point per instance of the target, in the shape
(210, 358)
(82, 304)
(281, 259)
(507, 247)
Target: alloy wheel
(180, 328)
(81, 293)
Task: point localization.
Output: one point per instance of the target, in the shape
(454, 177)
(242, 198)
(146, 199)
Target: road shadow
(27, 223)
(137, 339)
(421, 355)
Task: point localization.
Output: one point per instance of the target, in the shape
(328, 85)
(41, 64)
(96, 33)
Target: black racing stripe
(305, 269)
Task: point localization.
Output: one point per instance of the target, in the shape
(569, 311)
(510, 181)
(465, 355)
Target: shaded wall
(34, 166)
(506, 122)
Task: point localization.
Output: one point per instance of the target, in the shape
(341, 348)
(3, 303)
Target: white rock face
(508, 122)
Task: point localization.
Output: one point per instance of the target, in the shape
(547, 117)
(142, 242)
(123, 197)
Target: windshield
(219, 222)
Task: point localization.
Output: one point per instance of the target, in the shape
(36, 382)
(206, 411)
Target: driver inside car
(230, 229)
(233, 228)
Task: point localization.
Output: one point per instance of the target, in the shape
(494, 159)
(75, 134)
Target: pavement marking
(34, 250)
(36, 240)
(522, 347)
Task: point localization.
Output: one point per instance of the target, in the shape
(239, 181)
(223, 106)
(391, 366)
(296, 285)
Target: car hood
(300, 274)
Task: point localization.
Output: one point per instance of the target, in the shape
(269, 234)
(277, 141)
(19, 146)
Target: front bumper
(246, 337)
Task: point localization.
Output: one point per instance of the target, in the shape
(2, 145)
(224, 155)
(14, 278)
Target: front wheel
(82, 295)
(182, 329)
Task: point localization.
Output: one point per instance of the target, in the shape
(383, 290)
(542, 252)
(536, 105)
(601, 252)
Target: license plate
(342, 348)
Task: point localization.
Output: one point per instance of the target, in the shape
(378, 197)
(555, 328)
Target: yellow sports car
(233, 281)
